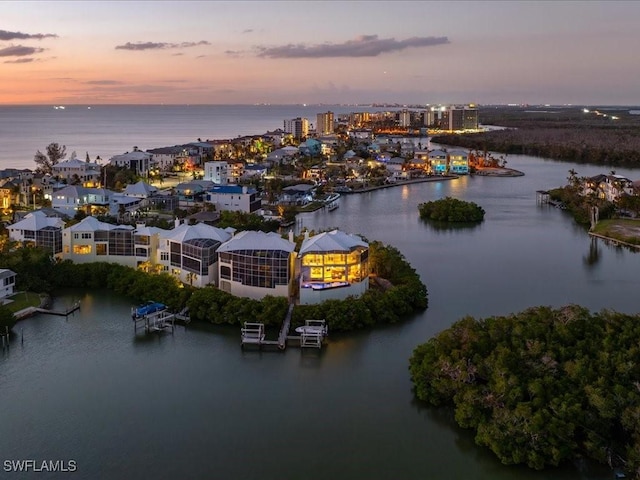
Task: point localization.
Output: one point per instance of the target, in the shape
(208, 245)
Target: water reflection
(446, 227)
(593, 256)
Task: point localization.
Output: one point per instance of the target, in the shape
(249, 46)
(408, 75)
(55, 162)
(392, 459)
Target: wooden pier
(61, 313)
(312, 334)
(160, 321)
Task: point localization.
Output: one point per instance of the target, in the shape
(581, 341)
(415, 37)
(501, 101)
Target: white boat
(332, 201)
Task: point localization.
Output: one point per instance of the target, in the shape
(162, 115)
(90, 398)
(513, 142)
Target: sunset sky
(207, 52)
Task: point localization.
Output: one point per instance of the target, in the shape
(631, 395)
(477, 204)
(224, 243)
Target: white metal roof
(253, 240)
(333, 241)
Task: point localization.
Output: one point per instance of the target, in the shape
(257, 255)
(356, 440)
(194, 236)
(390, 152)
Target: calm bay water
(107, 130)
(193, 405)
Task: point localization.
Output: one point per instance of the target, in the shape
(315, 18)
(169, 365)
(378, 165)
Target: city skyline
(283, 52)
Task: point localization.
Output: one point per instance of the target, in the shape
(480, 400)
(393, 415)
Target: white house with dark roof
(256, 264)
(189, 253)
(332, 265)
(40, 230)
(7, 282)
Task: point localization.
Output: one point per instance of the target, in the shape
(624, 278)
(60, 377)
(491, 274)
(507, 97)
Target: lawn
(23, 300)
(624, 230)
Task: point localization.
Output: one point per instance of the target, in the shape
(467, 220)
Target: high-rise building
(404, 118)
(298, 127)
(324, 124)
(459, 118)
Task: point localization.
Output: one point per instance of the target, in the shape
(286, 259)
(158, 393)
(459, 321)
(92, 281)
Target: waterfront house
(39, 230)
(189, 253)
(255, 264)
(458, 162)
(94, 241)
(332, 265)
(298, 195)
(234, 198)
(438, 162)
(7, 282)
(608, 187)
(78, 172)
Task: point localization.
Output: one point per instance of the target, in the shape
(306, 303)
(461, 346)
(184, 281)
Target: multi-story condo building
(298, 127)
(404, 118)
(459, 118)
(216, 172)
(333, 265)
(233, 197)
(256, 264)
(189, 253)
(40, 230)
(324, 123)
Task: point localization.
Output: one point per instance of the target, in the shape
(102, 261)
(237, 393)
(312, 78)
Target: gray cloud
(7, 35)
(248, 30)
(20, 60)
(19, 51)
(363, 46)
(103, 82)
(159, 45)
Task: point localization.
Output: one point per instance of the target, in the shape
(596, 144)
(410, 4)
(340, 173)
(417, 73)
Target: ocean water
(107, 130)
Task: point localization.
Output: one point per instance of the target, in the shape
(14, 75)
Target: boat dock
(160, 321)
(60, 313)
(312, 334)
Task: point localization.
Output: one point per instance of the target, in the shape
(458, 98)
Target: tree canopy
(540, 387)
(451, 210)
(45, 162)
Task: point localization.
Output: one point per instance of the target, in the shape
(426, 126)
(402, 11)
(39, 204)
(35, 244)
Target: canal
(193, 405)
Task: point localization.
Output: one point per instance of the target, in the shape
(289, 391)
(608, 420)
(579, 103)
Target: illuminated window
(101, 249)
(82, 249)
